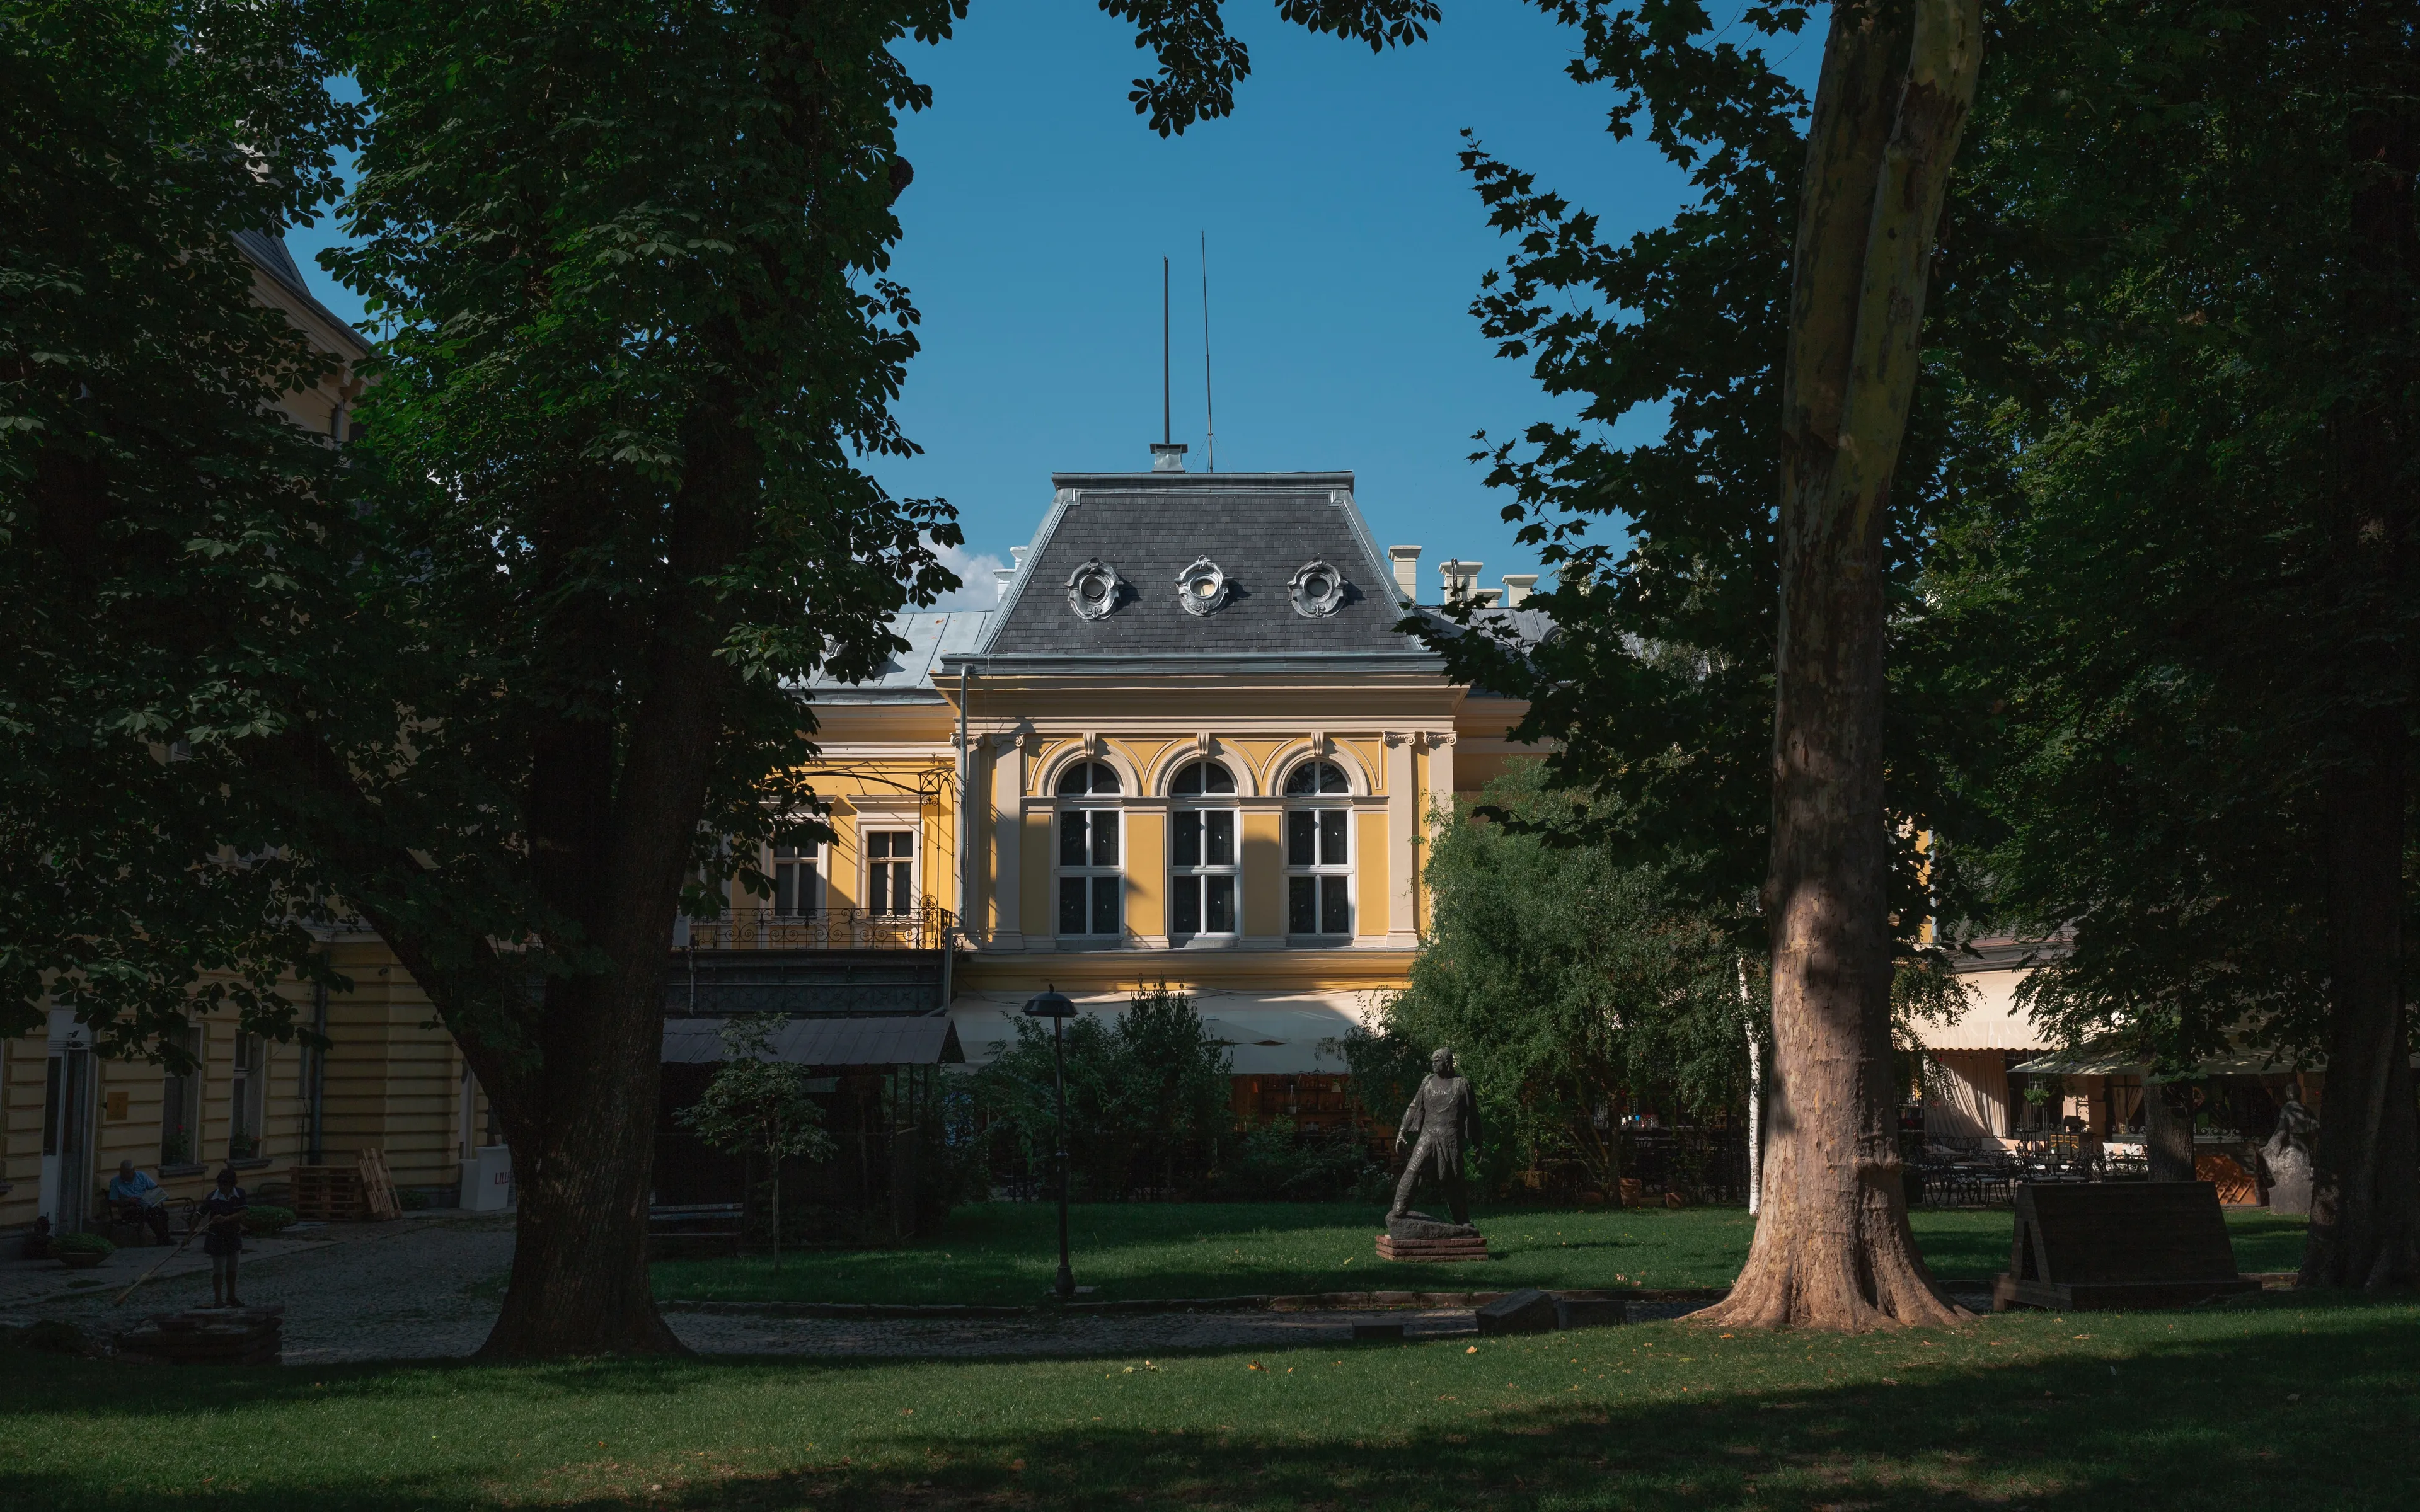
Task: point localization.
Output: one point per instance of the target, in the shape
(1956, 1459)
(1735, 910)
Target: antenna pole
(1164, 428)
(1209, 414)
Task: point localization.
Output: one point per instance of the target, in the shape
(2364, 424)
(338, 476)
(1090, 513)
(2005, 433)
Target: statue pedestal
(1417, 1236)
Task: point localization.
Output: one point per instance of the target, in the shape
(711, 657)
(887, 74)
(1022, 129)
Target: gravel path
(429, 1288)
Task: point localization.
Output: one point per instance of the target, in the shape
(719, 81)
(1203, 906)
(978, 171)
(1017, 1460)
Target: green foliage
(1566, 984)
(267, 1222)
(1657, 687)
(1147, 1097)
(2163, 381)
(166, 537)
(1200, 63)
(1277, 1162)
(755, 1106)
(82, 1244)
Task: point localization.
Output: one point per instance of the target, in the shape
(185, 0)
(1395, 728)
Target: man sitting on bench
(135, 1198)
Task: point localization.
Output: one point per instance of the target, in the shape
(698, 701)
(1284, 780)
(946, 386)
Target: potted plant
(80, 1252)
(264, 1222)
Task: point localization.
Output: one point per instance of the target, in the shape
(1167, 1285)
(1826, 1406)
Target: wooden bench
(2106, 1245)
(690, 1227)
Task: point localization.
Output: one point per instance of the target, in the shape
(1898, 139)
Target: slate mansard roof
(1259, 528)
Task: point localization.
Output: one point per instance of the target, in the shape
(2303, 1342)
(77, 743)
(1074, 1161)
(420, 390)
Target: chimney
(1517, 588)
(1407, 560)
(1460, 578)
(1016, 558)
(1004, 575)
(1167, 456)
(1488, 598)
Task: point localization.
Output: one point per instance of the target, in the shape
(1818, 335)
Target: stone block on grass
(1526, 1311)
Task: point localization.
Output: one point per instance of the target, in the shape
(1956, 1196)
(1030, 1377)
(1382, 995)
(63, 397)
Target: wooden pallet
(326, 1193)
(378, 1187)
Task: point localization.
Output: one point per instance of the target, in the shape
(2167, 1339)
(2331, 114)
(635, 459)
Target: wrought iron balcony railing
(927, 927)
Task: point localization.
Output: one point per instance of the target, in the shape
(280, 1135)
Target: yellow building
(1188, 745)
(390, 1080)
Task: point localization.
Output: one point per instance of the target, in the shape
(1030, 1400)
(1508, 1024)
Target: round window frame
(1094, 568)
(1318, 607)
(1209, 603)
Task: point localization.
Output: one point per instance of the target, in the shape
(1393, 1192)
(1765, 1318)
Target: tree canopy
(1572, 988)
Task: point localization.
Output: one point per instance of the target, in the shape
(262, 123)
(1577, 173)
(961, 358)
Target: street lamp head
(1050, 1004)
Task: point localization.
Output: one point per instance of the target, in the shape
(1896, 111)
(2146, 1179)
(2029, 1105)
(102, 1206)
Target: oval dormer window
(1202, 587)
(1317, 590)
(1092, 589)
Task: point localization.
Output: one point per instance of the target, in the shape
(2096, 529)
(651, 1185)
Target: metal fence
(927, 927)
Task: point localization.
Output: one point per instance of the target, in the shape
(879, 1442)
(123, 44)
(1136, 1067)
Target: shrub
(65, 1244)
(265, 1222)
(1147, 1095)
(1277, 1162)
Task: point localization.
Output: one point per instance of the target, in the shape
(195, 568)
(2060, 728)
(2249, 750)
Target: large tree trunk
(609, 850)
(2366, 1173)
(1833, 1248)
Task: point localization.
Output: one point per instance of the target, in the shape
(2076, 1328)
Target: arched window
(1319, 866)
(1202, 877)
(1316, 777)
(1090, 885)
(1088, 777)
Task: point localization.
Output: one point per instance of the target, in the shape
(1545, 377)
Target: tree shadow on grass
(2321, 1418)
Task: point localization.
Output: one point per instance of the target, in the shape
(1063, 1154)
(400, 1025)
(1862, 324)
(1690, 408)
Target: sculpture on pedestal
(1441, 1126)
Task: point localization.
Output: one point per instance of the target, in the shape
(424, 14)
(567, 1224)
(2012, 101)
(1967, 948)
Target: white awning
(1266, 1034)
(1994, 1023)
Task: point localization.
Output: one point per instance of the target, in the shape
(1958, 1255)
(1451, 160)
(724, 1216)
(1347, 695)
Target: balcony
(929, 927)
(838, 961)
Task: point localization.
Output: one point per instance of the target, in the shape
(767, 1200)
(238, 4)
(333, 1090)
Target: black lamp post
(1057, 1008)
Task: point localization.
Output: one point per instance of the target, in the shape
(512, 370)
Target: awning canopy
(2085, 1063)
(1266, 1034)
(820, 1040)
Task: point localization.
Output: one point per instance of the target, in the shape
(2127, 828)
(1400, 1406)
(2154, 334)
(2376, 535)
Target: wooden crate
(328, 1194)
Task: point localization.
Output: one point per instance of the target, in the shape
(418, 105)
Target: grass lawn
(1007, 1252)
(2279, 1400)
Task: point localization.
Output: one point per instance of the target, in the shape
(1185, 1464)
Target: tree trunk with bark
(2169, 1130)
(1833, 1248)
(609, 848)
(2366, 1173)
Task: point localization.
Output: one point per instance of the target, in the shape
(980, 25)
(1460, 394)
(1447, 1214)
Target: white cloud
(978, 570)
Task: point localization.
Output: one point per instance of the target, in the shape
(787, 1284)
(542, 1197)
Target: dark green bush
(80, 1243)
(263, 1221)
(1278, 1163)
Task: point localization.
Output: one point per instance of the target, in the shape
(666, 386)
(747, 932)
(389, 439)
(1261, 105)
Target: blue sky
(1344, 245)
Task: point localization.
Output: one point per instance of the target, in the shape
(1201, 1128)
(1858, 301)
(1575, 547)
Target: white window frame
(1094, 873)
(806, 858)
(248, 1097)
(1328, 879)
(867, 862)
(183, 1094)
(1203, 809)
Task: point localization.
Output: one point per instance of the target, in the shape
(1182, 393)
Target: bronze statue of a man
(1442, 1124)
